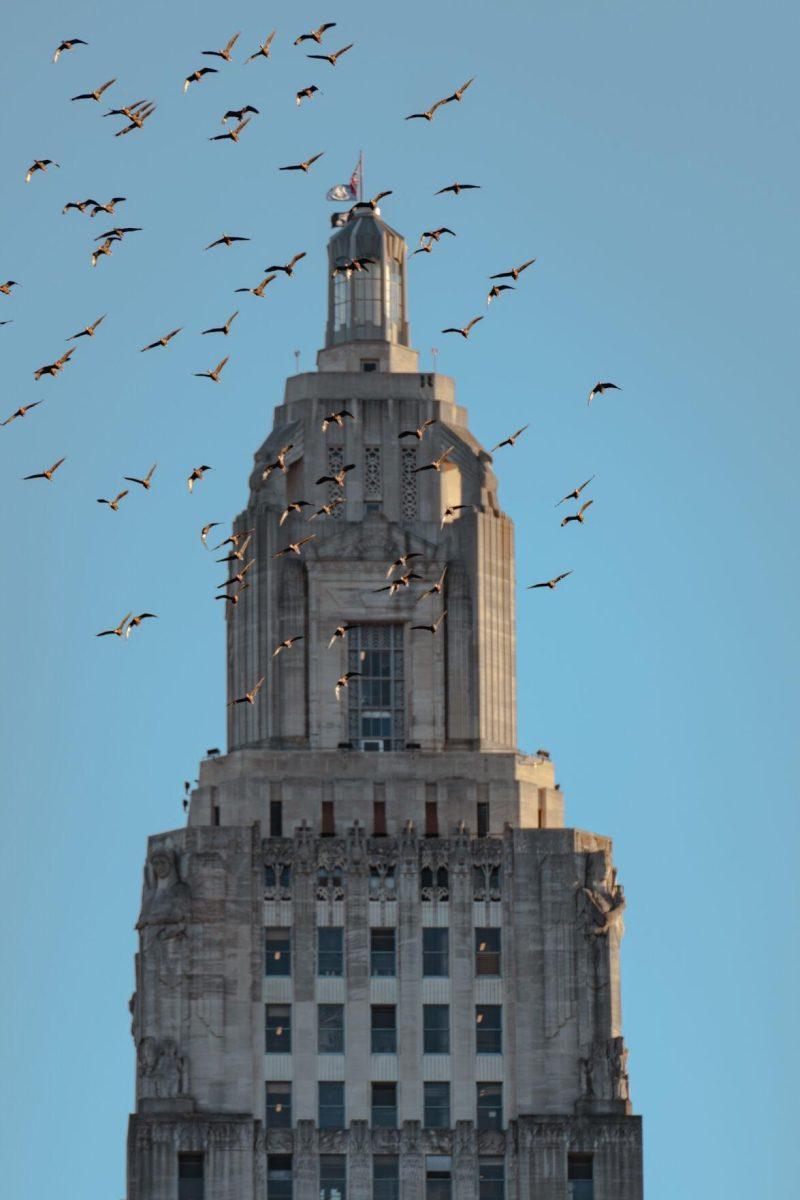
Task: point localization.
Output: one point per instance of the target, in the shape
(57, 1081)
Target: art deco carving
(161, 1070)
(604, 1073)
(604, 901)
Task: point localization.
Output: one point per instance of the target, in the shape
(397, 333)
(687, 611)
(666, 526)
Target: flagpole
(360, 176)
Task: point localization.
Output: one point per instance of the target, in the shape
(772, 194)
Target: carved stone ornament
(359, 1142)
(604, 1072)
(603, 900)
(161, 1069)
(166, 897)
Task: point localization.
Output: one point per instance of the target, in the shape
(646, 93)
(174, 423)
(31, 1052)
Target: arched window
(434, 883)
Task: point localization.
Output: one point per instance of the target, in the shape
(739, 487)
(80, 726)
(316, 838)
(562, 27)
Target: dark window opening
(488, 955)
(491, 1179)
(330, 1029)
(328, 821)
(483, 818)
(278, 1034)
(369, 364)
(436, 1106)
(385, 1177)
(436, 1028)
(436, 952)
(379, 818)
(434, 883)
(279, 1177)
(279, 1106)
(331, 1106)
(490, 1105)
(383, 1029)
(277, 951)
(438, 1177)
(489, 1029)
(332, 1177)
(580, 1173)
(330, 950)
(384, 1105)
(382, 956)
(276, 818)
(190, 1177)
(431, 819)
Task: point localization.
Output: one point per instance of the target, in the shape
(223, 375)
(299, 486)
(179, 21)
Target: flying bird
(162, 341)
(145, 483)
(235, 538)
(549, 583)
(106, 208)
(138, 118)
(450, 512)
(465, 332)
(223, 329)
(578, 516)
(135, 622)
(114, 504)
(20, 412)
(343, 681)
(232, 135)
(54, 368)
(434, 628)
(239, 576)
(303, 166)
(249, 697)
(287, 643)
(263, 50)
(336, 418)
(403, 561)
(340, 633)
(459, 92)
(375, 201)
(293, 506)
(287, 268)
(88, 330)
(118, 232)
(127, 110)
(575, 493)
(351, 266)
(206, 530)
(79, 205)
(419, 432)
(327, 509)
(226, 53)
(196, 76)
(437, 463)
(515, 272)
(402, 581)
(234, 598)
(117, 631)
(227, 239)
(315, 35)
(196, 475)
(39, 164)
(599, 388)
(236, 114)
(278, 463)
(105, 249)
(426, 249)
(294, 547)
(215, 374)
(6, 287)
(433, 235)
(338, 477)
(427, 115)
(435, 589)
(305, 94)
(97, 93)
(68, 44)
(497, 290)
(457, 188)
(332, 58)
(238, 553)
(260, 289)
(509, 441)
(49, 473)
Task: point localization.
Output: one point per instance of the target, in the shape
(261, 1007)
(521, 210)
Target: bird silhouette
(511, 440)
(435, 589)
(515, 272)
(343, 681)
(114, 504)
(305, 94)
(497, 290)
(336, 418)
(162, 341)
(419, 432)
(340, 633)
(224, 54)
(206, 530)
(549, 583)
(215, 374)
(97, 93)
(338, 477)
(434, 628)
(278, 463)
(249, 697)
(287, 268)
(78, 205)
(328, 509)
(579, 515)
(467, 329)
(450, 512)
(458, 93)
(118, 232)
(88, 330)
(227, 239)
(260, 288)
(428, 113)
(305, 165)
(332, 58)
(599, 388)
(233, 598)
(56, 367)
(315, 35)
(146, 481)
(196, 76)
(294, 547)
(437, 463)
(457, 188)
(68, 44)
(293, 506)
(239, 576)
(287, 643)
(402, 581)
(223, 329)
(433, 235)
(403, 561)
(21, 411)
(138, 118)
(5, 288)
(196, 475)
(135, 622)
(263, 50)
(575, 493)
(49, 473)
(243, 536)
(104, 250)
(39, 164)
(232, 135)
(117, 631)
(236, 114)
(238, 553)
(106, 208)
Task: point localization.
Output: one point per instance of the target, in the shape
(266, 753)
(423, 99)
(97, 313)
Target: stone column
(305, 1162)
(409, 983)
(359, 1162)
(462, 991)
(304, 925)
(412, 1162)
(465, 1161)
(357, 1009)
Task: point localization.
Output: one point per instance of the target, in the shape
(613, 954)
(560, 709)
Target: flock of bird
(400, 574)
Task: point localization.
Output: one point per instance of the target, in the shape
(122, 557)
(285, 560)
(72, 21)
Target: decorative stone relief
(162, 1072)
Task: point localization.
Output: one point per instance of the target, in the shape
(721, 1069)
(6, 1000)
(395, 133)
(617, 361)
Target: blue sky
(646, 154)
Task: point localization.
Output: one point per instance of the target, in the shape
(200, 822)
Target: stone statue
(605, 905)
(604, 1074)
(161, 1069)
(165, 900)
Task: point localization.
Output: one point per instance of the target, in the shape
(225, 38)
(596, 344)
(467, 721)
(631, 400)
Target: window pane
(279, 1177)
(489, 1029)
(580, 1174)
(277, 952)
(436, 1029)
(330, 1029)
(331, 1106)
(490, 1105)
(382, 952)
(437, 1105)
(332, 1177)
(385, 1177)
(438, 1177)
(383, 1029)
(435, 952)
(487, 951)
(279, 1105)
(491, 1179)
(376, 703)
(190, 1177)
(330, 951)
(384, 1104)
(279, 1029)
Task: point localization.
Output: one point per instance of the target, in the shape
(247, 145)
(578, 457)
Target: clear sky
(647, 155)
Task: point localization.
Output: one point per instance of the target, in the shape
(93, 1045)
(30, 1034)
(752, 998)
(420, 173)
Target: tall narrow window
(435, 951)
(279, 1177)
(335, 464)
(491, 1179)
(277, 951)
(384, 1105)
(483, 818)
(278, 1031)
(581, 1177)
(279, 1105)
(376, 713)
(330, 1028)
(373, 480)
(332, 1177)
(436, 1108)
(330, 950)
(431, 819)
(488, 951)
(489, 1029)
(276, 818)
(379, 818)
(438, 1177)
(190, 1177)
(490, 1105)
(436, 1029)
(385, 1177)
(328, 828)
(383, 1027)
(408, 483)
(331, 1105)
(382, 952)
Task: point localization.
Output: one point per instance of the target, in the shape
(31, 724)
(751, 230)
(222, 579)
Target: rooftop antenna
(297, 362)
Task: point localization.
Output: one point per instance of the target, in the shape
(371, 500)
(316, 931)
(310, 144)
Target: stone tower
(375, 965)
